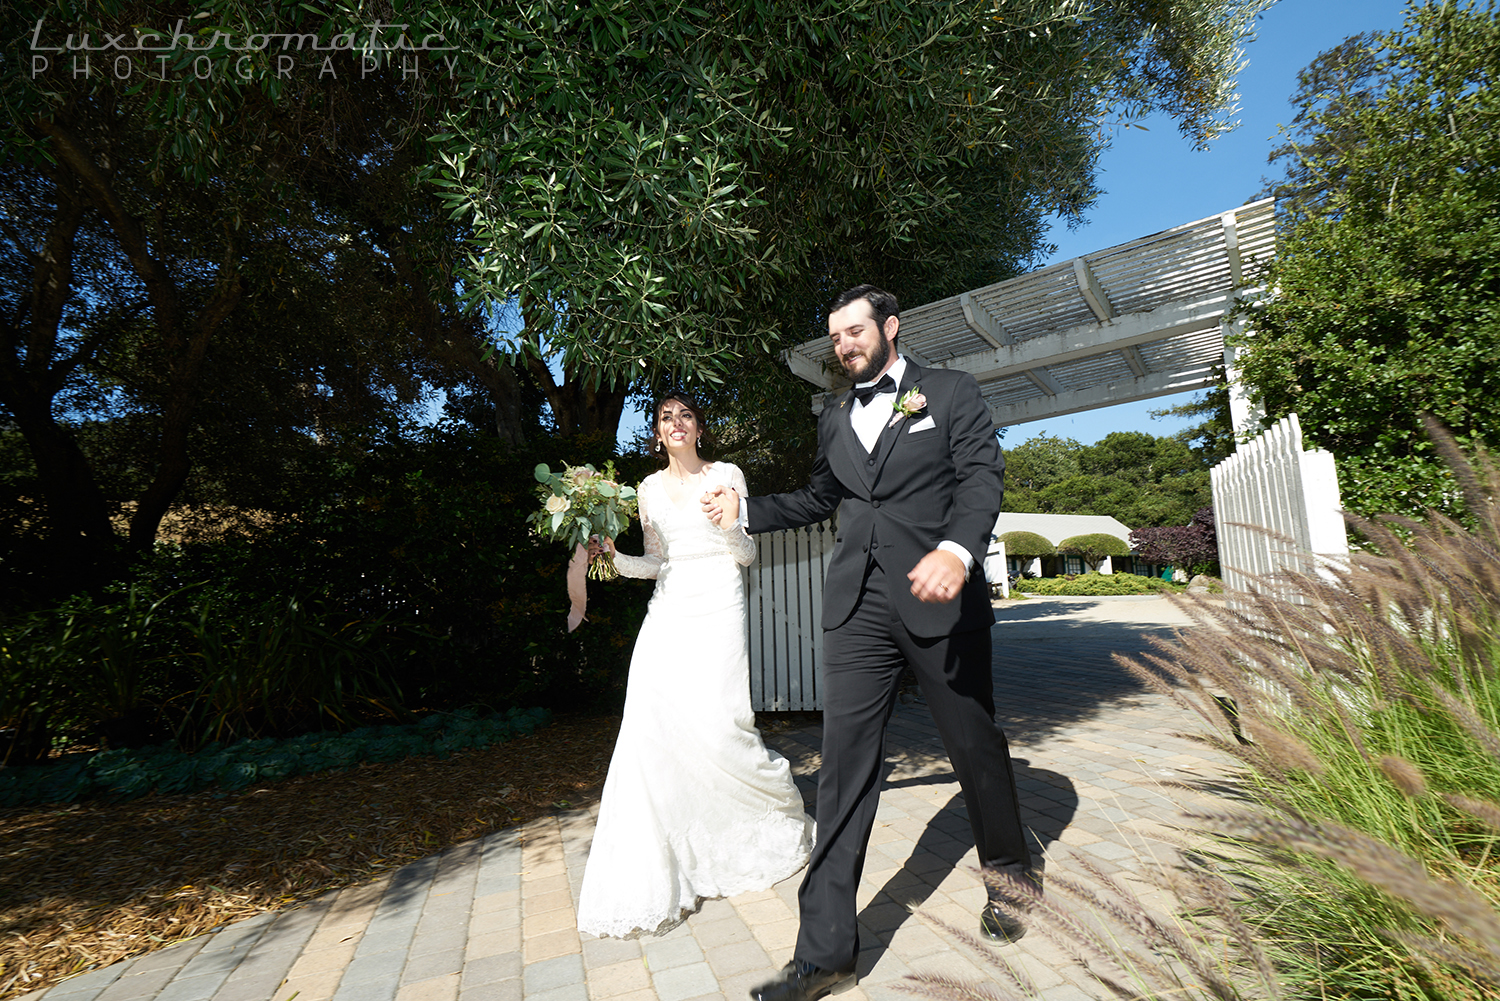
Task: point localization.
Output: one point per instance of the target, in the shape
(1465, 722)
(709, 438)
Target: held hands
(722, 505)
(938, 578)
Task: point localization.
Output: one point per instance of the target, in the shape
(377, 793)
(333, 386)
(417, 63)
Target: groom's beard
(879, 355)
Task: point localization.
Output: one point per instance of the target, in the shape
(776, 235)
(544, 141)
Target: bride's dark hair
(690, 403)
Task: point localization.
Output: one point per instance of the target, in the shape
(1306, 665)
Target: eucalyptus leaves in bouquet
(581, 501)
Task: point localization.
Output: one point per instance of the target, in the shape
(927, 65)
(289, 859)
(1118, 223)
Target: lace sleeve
(647, 566)
(740, 544)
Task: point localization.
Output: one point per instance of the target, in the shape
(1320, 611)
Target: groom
(909, 459)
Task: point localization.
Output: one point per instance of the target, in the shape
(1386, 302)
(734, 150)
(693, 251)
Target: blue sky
(1154, 180)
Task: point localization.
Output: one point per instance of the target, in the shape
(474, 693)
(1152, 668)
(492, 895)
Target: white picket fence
(784, 595)
(1272, 485)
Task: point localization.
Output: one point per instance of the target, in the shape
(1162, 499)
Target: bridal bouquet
(581, 501)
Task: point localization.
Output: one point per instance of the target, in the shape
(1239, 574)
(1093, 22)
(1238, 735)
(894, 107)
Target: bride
(694, 806)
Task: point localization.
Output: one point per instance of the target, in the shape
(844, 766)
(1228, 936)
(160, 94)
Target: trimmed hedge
(1020, 543)
(132, 772)
(1085, 585)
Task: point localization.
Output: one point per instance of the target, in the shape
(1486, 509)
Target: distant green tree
(1138, 458)
(1212, 440)
(1171, 502)
(1388, 262)
(1139, 479)
(1034, 465)
(1134, 477)
(1041, 461)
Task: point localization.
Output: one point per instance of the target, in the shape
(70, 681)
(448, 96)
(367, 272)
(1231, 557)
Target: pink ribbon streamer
(577, 588)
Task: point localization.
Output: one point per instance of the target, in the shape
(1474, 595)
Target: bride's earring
(700, 441)
(658, 444)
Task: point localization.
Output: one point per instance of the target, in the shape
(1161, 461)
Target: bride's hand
(599, 545)
(722, 505)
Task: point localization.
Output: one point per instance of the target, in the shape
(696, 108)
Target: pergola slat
(1130, 322)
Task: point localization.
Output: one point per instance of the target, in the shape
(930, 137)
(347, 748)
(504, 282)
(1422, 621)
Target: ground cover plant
(130, 772)
(1365, 728)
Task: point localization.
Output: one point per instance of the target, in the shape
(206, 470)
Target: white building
(1055, 528)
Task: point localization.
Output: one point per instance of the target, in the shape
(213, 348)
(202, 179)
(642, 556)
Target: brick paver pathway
(493, 920)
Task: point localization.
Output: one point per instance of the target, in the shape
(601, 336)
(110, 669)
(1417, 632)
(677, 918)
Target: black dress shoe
(1000, 926)
(799, 980)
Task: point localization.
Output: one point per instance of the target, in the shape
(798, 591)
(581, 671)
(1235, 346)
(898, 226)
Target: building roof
(1057, 527)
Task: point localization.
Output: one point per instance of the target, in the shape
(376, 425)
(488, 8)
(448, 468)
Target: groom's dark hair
(882, 304)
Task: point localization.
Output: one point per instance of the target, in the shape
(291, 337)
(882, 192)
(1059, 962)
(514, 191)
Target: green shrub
(130, 672)
(431, 533)
(34, 656)
(1079, 585)
(283, 666)
(407, 580)
(128, 773)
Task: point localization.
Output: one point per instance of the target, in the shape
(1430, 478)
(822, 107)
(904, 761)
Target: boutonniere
(910, 405)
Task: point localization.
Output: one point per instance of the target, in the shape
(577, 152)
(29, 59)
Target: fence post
(1276, 507)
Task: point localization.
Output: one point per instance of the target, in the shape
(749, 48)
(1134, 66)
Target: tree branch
(75, 155)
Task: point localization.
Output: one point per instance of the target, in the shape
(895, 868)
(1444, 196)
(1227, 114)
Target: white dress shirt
(869, 419)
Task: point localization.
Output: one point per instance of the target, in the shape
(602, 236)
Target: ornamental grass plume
(1366, 742)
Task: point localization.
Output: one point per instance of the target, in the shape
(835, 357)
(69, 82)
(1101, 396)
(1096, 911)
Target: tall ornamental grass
(1358, 853)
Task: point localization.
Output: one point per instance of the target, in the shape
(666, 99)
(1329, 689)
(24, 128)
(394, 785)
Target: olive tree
(658, 189)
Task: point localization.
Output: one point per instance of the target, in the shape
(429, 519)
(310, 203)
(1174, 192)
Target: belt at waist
(699, 556)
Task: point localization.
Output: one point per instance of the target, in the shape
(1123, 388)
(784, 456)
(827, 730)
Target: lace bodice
(683, 532)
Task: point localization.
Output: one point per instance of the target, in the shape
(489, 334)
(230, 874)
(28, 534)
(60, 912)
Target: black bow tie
(885, 385)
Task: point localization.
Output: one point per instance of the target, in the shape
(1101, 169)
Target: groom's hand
(722, 505)
(938, 578)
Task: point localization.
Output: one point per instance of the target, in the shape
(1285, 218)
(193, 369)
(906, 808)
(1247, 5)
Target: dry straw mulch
(89, 884)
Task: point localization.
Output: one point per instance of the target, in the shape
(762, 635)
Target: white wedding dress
(694, 806)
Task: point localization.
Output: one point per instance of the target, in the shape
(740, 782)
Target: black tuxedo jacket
(933, 476)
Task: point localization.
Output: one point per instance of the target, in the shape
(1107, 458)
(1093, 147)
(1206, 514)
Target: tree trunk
(31, 376)
(505, 395)
(172, 461)
(577, 407)
(76, 507)
(185, 353)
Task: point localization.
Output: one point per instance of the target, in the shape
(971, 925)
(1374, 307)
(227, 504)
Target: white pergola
(1136, 321)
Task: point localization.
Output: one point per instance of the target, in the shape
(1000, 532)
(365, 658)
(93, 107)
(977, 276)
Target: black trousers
(862, 662)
